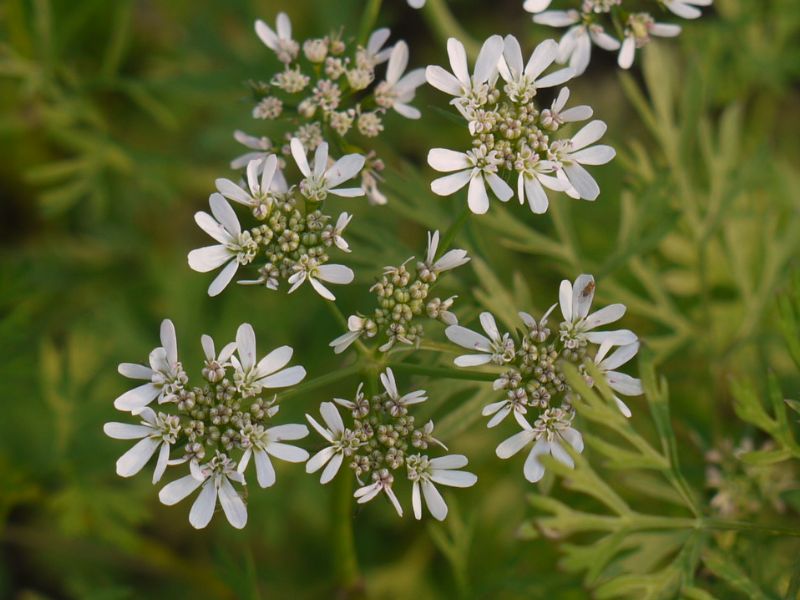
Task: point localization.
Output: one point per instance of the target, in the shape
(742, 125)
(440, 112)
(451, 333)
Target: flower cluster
(742, 490)
(534, 387)
(512, 135)
(329, 89)
(403, 299)
(291, 235)
(384, 441)
(590, 23)
(215, 428)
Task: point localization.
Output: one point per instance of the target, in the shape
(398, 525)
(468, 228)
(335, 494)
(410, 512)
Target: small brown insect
(588, 290)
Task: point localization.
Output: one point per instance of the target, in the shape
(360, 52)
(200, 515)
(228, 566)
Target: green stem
(445, 25)
(443, 372)
(711, 523)
(368, 19)
(321, 381)
(453, 230)
(347, 571)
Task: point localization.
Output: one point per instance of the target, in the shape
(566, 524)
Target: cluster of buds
(532, 382)
(403, 299)
(381, 443)
(743, 490)
(214, 429)
(291, 234)
(590, 20)
(330, 89)
(512, 135)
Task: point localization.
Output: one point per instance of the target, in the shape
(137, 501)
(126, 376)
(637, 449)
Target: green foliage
(115, 118)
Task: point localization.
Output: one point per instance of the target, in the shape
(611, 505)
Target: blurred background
(115, 119)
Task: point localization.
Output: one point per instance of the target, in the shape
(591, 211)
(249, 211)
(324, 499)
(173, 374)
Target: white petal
(594, 155)
(444, 160)
(266, 35)
(321, 290)
(284, 378)
(582, 296)
(683, 9)
(416, 502)
(477, 198)
(137, 397)
(543, 56)
(574, 439)
(537, 197)
(442, 80)
(287, 452)
(134, 371)
(557, 18)
(451, 461)
(582, 181)
(345, 168)
(332, 468)
(458, 60)
(398, 61)
(449, 184)
(665, 30)
(619, 337)
(174, 492)
(275, 360)
(500, 188)
(290, 431)
(488, 57)
(134, 459)
(336, 274)
(561, 455)
(514, 444)
(232, 504)
(460, 479)
(224, 277)
(161, 463)
(233, 192)
(620, 356)
(169, 341)
(246, 344)
(466, 338)
(534, 6)
(624, 384)
(533, 469)
(321, 458)
(472, 360)
(627, 52)
(588, 134)
(126, 431)
(330, 414)
(434, 500)
(209, 258)
(606, 315)
(299, 154)
(265, 472)
(284, 26)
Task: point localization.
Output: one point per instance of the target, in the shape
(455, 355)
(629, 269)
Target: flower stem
(347, 573)
(443, 372)
(445, 25)
(318, 382)
(368, 19)
(711, 523)
(454, 229)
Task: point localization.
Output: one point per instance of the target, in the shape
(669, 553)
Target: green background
(115, 119)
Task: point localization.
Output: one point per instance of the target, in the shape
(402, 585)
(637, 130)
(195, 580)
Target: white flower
(306, 269)
(261, 443)
(155, 431)
(215, 478)
(523, 82)
(355, 327)
(336, 234)
(459, 83)
(555, 116)
(534, 176)
(164, 376)
(476, 167)
(570, 155)
(261, 145)
(449, 260)
(494, 349)
(551, 431)
(575, 45)
(416, 3)
(398, 89)
(322, 180)
(235, 248)
(575, 301)
(621, 383)
(424, 472)
(259, 191)
(686, 8)
(342, 442)
(251, 377)
(398, 405)
(281, 42)
(383, 481)
(535, 6)
(214, 369)
(638, 29)
(375, 53)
